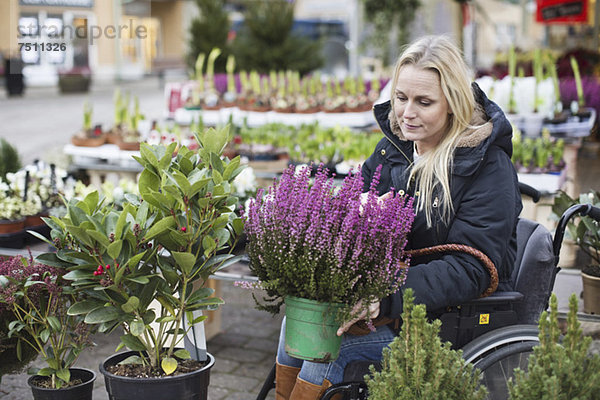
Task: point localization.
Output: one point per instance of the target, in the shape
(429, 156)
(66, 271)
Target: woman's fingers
(373, 313)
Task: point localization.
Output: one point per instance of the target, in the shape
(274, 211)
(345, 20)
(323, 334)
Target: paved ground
(42, 121)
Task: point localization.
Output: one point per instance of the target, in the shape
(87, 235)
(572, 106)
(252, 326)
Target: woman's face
(421, 107)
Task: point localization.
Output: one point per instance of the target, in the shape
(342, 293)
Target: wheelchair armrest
(351, 390)
(496, 297)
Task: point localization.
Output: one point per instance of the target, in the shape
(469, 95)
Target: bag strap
(463, 248)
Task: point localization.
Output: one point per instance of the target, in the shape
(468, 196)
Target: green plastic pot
(310, 330)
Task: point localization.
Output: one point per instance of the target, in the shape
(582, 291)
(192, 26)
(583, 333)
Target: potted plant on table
(325, 249)
(12, 221)
(37, 297)
(88, 136)
(130, 137)
(162, 246)
(585, 231)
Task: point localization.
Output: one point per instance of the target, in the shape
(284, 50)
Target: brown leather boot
(304, 390)
(285, 379)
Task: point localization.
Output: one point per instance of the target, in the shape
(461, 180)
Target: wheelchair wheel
(498, 353)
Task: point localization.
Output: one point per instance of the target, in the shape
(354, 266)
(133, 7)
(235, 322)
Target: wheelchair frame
(498, 340)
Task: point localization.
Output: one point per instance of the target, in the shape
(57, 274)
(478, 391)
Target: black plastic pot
(13, 75)
(82, 391)
(15, 240)
(191, 386)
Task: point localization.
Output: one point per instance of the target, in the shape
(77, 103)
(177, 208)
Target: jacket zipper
(390, 140)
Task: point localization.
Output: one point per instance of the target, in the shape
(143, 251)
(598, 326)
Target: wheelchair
(495, 333)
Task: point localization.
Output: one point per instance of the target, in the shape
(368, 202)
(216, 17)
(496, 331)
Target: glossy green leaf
(184, 260)
(45, 372)
(160, 227)
(91, 200)
(238, 226)
(121, 224)
(105, 314)
(132, 360)
(137, 328)
(231, 167)
(148, 155)
(98, 237)
(149, 316)
(131, 305)
(148, 181)
(132, 342)
(78, 274)
(199, 319)
(51, 259)
(44, 335)
(84, 307)
(142, 214)
(208, 244)
(199, 294)
(64, 374)
(54, 323)
(142, 280)
(217, 177)
(76, 214)
(114, 249)
(80, 234)
(166, 159)
(182, 354)
(40, 237)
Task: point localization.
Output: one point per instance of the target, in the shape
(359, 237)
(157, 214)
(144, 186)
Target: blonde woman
(449, 146)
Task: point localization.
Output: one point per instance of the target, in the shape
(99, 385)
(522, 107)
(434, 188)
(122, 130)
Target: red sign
(562, 11)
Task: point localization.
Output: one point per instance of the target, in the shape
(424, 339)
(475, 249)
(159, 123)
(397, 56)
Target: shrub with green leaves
(34, 299)
(162, 246)
(266, 42)
(10, 161)
(560, 369)
(418, 365)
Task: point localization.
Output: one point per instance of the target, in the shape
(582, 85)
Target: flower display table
(545, 183)
(184, 116)
(573, 127)
(106, 162)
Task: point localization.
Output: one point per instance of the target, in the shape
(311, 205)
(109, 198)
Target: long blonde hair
(439, 54)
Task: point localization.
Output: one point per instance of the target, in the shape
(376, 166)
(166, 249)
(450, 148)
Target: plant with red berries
(34, 299)
(162, 246)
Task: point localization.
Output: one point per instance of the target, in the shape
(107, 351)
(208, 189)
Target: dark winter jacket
(486, 201)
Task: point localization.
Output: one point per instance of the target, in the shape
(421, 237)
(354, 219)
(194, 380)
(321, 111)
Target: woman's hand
(373, 313)
(365, 196)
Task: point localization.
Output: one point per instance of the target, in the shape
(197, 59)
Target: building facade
(126, 39)
(119, 39)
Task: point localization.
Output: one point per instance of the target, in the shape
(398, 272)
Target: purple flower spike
(314, 239)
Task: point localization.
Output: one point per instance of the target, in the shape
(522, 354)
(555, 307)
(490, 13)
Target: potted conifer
(440, 372)
(163, 245)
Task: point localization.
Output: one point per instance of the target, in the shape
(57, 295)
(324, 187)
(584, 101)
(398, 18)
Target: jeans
(354, 348)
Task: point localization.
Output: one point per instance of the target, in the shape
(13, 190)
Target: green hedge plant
(560, 368)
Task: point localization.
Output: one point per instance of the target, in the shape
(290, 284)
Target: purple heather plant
(591, 92)
(312, 240)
